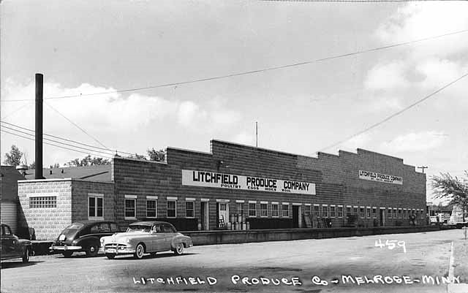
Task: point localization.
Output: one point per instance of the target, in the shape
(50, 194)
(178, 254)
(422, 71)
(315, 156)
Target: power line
(62, 147)
(395, 114)
(252, 71)
(76, 125)
(61, 138)
(62, 143)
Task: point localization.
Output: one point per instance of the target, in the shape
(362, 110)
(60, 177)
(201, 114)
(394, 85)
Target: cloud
(244, 138)
(422, 20)
(415, 142)
(387, 76)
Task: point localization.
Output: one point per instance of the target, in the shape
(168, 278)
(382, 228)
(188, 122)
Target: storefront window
(317, 211)
(332, 211)
(171, 209)
(285, 210)
(130, 208)
(151, 208)
(340, 211)
(190, 209)
(264, 210)
(274, 210)
(252, 209)
(325, 211)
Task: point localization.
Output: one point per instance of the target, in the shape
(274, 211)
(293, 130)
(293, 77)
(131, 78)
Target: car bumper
(65, 248)
(119, 249)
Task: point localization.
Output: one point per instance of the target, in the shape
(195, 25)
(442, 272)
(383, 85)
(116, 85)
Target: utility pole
(256, 134)
(422, 168)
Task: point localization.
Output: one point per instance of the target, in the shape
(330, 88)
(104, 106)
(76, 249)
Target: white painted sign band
(231, 181)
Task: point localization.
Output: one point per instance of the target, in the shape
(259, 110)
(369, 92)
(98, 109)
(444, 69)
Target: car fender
(88, 239)
(176, 240)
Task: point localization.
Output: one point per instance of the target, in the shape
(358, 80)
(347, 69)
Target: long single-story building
(232, 187)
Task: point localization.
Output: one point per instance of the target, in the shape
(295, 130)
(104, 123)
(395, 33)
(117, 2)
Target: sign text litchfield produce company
(373, 176)
(231, 181)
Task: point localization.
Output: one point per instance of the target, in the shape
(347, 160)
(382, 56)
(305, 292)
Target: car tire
(92, 250)
(67, 253)
(26, 255)
(139, 251)
(179, 248)
(110, 255)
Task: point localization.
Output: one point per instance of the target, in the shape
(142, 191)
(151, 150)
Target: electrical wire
(62, 143)
(64, 139)
(252, 71)
(76, 125)
(51, 144)
(394, 114)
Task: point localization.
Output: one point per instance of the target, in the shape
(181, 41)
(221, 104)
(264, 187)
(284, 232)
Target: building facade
(239, 187)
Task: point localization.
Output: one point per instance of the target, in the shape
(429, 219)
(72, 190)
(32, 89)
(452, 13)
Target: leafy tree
(88, 161)
(157, 155)
(14, 157)
(456, 190)
(32, 165)
(137, 156)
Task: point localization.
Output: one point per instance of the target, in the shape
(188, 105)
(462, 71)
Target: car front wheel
(139, 251)
(179, 249)
(26, 255)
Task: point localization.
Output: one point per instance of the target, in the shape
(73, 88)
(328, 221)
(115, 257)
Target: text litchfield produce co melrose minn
(232, 181)
(297, 281)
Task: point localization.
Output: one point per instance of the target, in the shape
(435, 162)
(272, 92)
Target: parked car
(13, 247)
(83, 236)
(146, 237)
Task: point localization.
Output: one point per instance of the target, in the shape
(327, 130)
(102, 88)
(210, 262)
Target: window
(263, 209)
(307, 209)
(362, 212)
(324, 211)
(240, 208)
(394, 213)
(316, 211)
(399, 213)
(114, 227)
(285, 210)
(95, 206)
(100, 228)
(355, 210)
(274, 210)
(374, 212)
(389, 213)
(348, 210)
(151, 208)
(252, 209)
(368, 212)
(42, 202)
(171, 208)
(332, 211)
(130, 207)
(340, 211)
(190, 209)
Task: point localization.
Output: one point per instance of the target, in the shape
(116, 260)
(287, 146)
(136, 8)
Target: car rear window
(75, 226)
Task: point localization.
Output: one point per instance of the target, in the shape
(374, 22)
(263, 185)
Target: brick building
(235, 187)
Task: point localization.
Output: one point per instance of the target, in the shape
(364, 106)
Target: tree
(456, 190)
(88, 161)
(157, 155)
(14, 157)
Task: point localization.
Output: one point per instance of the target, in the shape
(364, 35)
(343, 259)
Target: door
(8, 243)
(382, 217)
(158, 238)
(295, 216)
(204, 216)
(223, 214)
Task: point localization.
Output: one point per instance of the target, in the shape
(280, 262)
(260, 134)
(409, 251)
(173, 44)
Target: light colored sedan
(146, 237)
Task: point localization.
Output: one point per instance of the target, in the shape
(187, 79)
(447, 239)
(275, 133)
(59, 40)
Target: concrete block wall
(80, 203)
(47, 222)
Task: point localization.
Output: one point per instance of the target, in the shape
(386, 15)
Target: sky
(127, 76)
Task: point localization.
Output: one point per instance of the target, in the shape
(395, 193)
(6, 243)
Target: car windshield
(139, 228)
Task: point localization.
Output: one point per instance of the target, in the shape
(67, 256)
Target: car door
(9, 243)
(158, 238)
(169, 234)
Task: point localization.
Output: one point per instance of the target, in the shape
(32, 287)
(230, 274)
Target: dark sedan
(83, 236)
(13, 247)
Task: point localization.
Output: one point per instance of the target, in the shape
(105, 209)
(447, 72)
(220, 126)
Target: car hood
(124, 235)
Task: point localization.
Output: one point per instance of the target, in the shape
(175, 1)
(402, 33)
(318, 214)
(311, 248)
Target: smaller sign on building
(374, 176)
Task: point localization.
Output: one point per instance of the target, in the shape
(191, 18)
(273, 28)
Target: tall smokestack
(39, 126)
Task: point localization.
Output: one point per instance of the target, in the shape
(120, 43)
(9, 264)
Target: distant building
(232, 187)
(9, 177)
